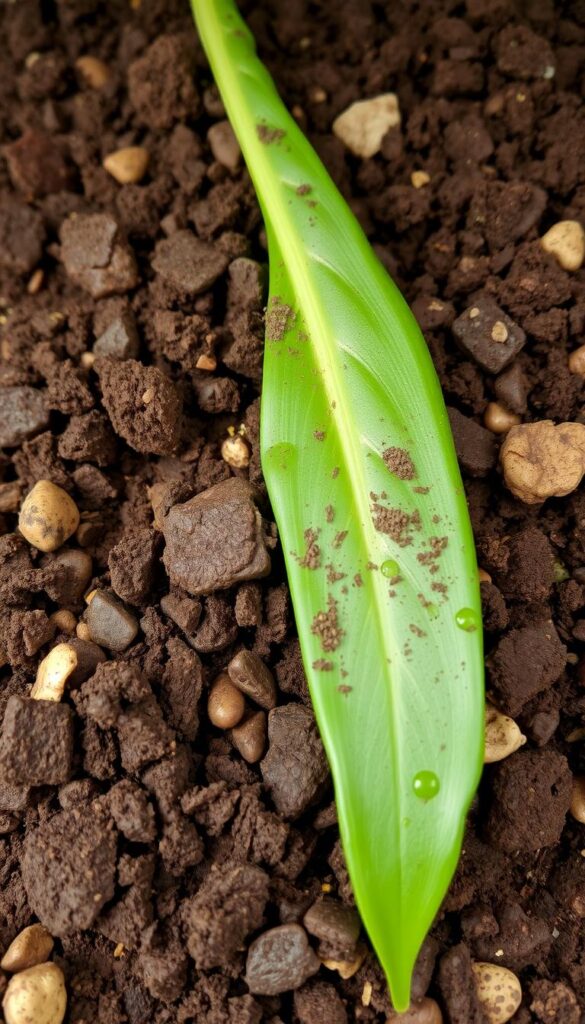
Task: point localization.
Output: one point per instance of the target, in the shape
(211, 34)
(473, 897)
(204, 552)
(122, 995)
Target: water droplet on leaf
(390, 568)
(426, 785)
(466, 619)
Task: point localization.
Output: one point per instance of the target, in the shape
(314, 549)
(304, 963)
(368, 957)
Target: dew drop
(281, 455)
(426, 785)
(390, 568)
(466, 619)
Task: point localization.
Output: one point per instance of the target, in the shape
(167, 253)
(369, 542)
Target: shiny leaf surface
(359, 462)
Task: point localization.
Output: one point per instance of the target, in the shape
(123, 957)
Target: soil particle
(487, 334)
(295, 768)
(531, 797)
(186, 265)
(280, 960)
(143, 405)
(526, 662)
(228, 906)
(457, 986)
(475, 446)
(36, 743)
(216, 539)
(399, 463)
(68, 868)
(161, 86)
(325, 625)
(279, 319)
(24, 414)
(95, 257)
(396, 523)
(317, 1001)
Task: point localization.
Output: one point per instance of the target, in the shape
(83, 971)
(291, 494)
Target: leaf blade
(335, 321)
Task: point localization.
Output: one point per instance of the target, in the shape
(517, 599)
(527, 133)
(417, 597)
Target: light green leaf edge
(347, 374)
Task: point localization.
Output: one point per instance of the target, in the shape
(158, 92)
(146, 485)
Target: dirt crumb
(399, 463)
(325, 625)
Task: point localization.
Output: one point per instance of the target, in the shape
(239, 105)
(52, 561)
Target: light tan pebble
(87, 359)
(36, 282)
(48, 516)
(64, 620)
(418, 179)
(226, 704)
(578, 799)
(502, 735)
(499, 332)
(90, 595)
(224, 145)
(36, 996)
(33, 945)
(423, 1011)
(127, 166)
(367, 993)
(498, 990)
(541, 460)
(577, 361)
(317, 94)
(249, 737)
(236, 452)
(148, 396)
(53, 672)
(94, 71)
(566, 242)
(498, 419)
(346, 968)
(364, 124)
(205, 362)
(82, 631)
(484, 577)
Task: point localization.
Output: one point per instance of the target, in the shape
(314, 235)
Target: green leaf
(381, 566)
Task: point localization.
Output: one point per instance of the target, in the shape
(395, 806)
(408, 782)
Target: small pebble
(93, 70)
(423, 1011)
(48, 516)
(418, 179)
(236, 452)
(249, 738)
(498, 991)
(333, 923)
(36, 996)
(487, 334)
(502, 736)
(23, 413)
(566, 242)
(542, 460)
(279, 960)
(578, 799)
(364, 124)
(82, 631)
(33, 945)
(78, 568)
(128, 166)
(577, 361)
(249, 673)
(64, 620)
(346, 968)
(110, 624)
(53, 672)
(225, 705)
(498, 419)
(224, 145)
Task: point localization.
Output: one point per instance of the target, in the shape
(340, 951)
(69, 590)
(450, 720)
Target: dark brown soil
(185, 879)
